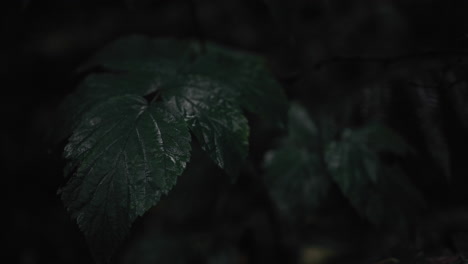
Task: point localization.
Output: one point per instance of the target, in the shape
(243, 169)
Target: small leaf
(127, 154)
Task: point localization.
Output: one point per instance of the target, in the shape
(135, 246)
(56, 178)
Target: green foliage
(131, 126)
(246, 78)
(213, 118)
(296, 175)
(127, 154)
(208, 79)
(166, 237)
(301, 171)
(380, 192)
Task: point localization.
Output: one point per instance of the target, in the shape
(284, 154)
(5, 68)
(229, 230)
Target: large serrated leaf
(245, 75)
(98, 87)
(127, 154)
(381, 193)
(231, 80)
(201, 90)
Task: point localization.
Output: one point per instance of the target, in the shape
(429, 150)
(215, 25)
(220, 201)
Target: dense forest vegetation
(355, 114)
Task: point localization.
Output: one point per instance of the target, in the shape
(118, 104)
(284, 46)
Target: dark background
(323, 52)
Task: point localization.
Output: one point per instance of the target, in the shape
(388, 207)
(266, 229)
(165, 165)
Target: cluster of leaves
(316, 155)
(131, 126)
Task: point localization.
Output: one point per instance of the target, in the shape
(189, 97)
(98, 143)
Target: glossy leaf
(127, 154)
(213, 118)
(226, 81)
(98, 87)
(188, 89)
(245, 75)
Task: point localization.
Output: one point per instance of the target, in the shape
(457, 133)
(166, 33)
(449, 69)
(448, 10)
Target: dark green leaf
(99, 87)
(127, 154)
(224, 82)
(115, 177)
(379, 138)
(296, 179)
(217, 123)
(295, 173)
(379, 192)
(247, 77)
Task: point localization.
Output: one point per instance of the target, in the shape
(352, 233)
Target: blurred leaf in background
(295, 171)
(379, 191)
(302, 170)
